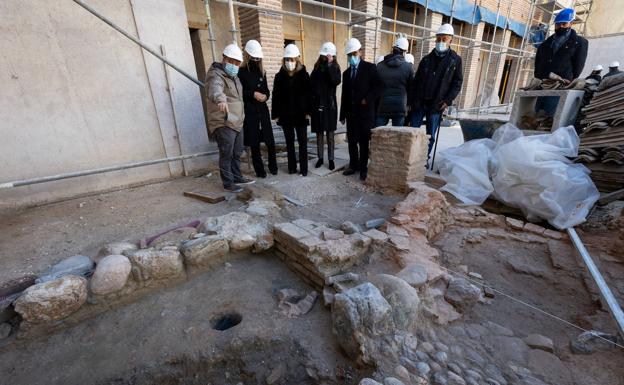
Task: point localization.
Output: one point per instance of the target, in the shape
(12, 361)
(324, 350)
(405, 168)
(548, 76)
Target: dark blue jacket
(396, 75)
(448, 79)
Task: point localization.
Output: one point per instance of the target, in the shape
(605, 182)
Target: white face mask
(291, 65)
(441, 46)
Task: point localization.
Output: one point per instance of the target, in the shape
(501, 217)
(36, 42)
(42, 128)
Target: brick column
(432, 21)
(266, 27)
(497, 63)
(367, 36)
(471, 66)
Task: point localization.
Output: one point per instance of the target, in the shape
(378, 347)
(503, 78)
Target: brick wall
(472, 67)
(433, 21)
(370, 42)
(267, 28)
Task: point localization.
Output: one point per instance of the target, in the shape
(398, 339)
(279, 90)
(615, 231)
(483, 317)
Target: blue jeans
(548, 104)
(397, 120)
(434, 118)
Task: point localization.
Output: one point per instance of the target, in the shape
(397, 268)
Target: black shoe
(292, 171)
(319, 163)
(263, 175)
(274, 172)
(304, 173)
(245, 181)
(233, 188)
(331, 165)
(348, 171)
(363, 175)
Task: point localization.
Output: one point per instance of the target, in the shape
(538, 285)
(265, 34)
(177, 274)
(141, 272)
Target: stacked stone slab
(398, 156)
(316, 252)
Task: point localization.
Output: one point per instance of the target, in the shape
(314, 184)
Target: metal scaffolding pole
(138, 42)
(522, 59)
(301, 32)
(232, 21)
(422, 42)
(487, 66)
(210, 32)
(27, 182)
(500, 52)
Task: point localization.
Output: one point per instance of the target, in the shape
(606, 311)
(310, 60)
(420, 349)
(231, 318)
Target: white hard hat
(328, 49)
(446, 29)
(409, 58)
(401, 43)
(254, 49)
(614, 64)
(291, 50)
(598, 68)
(233, 52)
(353, 45)
(379, 59)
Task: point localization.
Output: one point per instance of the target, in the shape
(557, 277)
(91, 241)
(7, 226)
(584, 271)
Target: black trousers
(256, 154)
(320, 144)
(358, 138)
(301, 133)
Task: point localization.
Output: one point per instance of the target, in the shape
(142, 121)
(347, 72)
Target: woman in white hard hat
(257, 125)
(324, 79)
(224, 95)
(291, 106)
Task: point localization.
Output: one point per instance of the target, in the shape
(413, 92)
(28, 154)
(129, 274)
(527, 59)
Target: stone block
(52, 300)
(206, 251)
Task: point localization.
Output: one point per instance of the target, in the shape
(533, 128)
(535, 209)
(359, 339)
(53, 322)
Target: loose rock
(52, 300)
(111, 274)
(350, 228)
(414, 274)
(116, 248)
(5, 330)
(368, 381)
(392, 381)
(462, 294)
(538, 341)
(402, 298)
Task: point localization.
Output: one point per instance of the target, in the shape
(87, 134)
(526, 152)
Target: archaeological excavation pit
(270, 296)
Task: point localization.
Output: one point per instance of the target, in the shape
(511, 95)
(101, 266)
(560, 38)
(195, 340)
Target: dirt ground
(167, 336)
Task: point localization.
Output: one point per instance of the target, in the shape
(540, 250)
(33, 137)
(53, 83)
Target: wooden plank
(205, 196)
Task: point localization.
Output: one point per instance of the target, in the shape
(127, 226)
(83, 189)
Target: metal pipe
(210, 32)
(377, 27)
(453, 10)
(301, 32)
(607, 295)
(137, 41)
(51, 178)
(487, 66)
(413, 27)
(514, 86)
(422, 42)
(334, 25)
(232, 21)
(396, 12)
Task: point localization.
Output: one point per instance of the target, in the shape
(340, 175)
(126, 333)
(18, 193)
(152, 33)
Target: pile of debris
(602, 139)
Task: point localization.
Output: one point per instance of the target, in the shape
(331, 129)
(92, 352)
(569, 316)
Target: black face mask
(561, 31)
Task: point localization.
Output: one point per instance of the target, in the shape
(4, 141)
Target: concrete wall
(604, 50)
(77, 95)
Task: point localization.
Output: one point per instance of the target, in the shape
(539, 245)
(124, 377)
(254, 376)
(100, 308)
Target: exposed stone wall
(398, 156)
(371, 41)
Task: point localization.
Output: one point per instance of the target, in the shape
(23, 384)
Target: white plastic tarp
(532, 173)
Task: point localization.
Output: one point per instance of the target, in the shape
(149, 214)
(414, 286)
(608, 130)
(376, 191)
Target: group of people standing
(372, 95)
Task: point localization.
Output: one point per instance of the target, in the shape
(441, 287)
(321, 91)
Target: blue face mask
(231, 69)
(441, 47)
(354, 60)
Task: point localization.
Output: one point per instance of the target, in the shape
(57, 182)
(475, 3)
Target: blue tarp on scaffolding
(490, 17)
(463, 10)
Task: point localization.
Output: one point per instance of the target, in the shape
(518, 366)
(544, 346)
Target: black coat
(291, 98)
(324, 105)
(257, 124)
(567, 62)
(448, 80)
(366, 86)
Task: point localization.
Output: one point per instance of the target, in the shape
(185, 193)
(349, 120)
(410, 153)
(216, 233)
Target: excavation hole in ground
(225, 321)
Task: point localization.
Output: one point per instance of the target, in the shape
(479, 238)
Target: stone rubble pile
(398, 156)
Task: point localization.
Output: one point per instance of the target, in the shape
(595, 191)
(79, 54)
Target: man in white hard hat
(396, 75)
(595, 74)
(614, 69)
(226, 114)
(437, 83)
(361, 88)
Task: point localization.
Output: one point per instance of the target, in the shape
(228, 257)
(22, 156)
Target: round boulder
(111, 274)
(52, 300)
